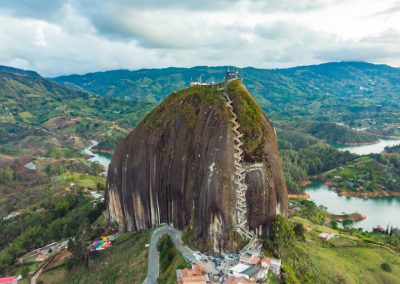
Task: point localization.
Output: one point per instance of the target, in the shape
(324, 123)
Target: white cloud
(63, 37)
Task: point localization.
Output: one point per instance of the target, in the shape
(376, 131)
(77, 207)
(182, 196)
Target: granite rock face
(177, 166)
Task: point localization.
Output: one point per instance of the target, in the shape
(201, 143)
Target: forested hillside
(331, 133)
(34, 106)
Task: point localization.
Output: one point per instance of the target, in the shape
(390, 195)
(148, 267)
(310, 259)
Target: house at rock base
(250, 257)
(196, 275)
(246, 271)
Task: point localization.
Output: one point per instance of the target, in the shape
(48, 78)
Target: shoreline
(388, 137)
(299, 195)
(379, 139)
(358, 144)
(343, 192)
(94, 149)
(356, 217)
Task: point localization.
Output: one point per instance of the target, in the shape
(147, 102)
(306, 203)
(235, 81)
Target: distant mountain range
(354, 93)
(340, 91)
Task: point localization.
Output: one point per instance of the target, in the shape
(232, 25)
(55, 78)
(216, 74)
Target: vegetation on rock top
(249, 116)
(185, 104)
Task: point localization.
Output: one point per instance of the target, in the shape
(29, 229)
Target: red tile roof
(7, 280)
(195, 275)
(266, 260)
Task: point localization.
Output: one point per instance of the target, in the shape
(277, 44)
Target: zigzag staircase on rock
(240, 172)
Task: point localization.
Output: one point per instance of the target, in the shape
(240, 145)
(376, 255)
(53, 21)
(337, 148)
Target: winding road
(154, 264)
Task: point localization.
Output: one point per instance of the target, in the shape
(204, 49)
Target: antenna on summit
(231, 75)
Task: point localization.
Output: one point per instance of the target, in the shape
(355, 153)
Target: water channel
(103, 159)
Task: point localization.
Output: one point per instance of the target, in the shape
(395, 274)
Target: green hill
(332, 133)
(33, 106)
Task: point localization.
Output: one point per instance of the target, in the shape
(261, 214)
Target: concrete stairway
(240, 173)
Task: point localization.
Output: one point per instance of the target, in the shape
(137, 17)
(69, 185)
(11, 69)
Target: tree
(95, 168)
(347, 223)
(6, 174)
(24, 271)
(60, 169)
(289, 274)
(334, 224)
(100, 186)
(282, 235)
(386, 266)
(76, 247)
(299, 230)
(48, 170)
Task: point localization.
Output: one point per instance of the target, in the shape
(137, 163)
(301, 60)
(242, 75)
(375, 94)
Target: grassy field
(358, 264)
(344, 259)
(126, 262)
(315, 227)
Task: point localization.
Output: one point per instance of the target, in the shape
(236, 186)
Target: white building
(30, 166)
(198, 84)
(246, 271)
(275, 266)
(326, 236)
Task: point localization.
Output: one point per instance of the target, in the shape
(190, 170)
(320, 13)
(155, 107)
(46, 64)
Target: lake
(103, 159)
(379, 210)
(369, 149)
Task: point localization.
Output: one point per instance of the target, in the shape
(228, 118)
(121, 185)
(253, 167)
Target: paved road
(38, 272)
(154, 264)
(61, 246)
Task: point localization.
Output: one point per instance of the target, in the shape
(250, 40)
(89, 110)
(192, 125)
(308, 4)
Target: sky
(57, 37)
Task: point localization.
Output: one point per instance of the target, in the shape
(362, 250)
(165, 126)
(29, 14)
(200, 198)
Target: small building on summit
(195, 83)
(199, 83)
(231, 75)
